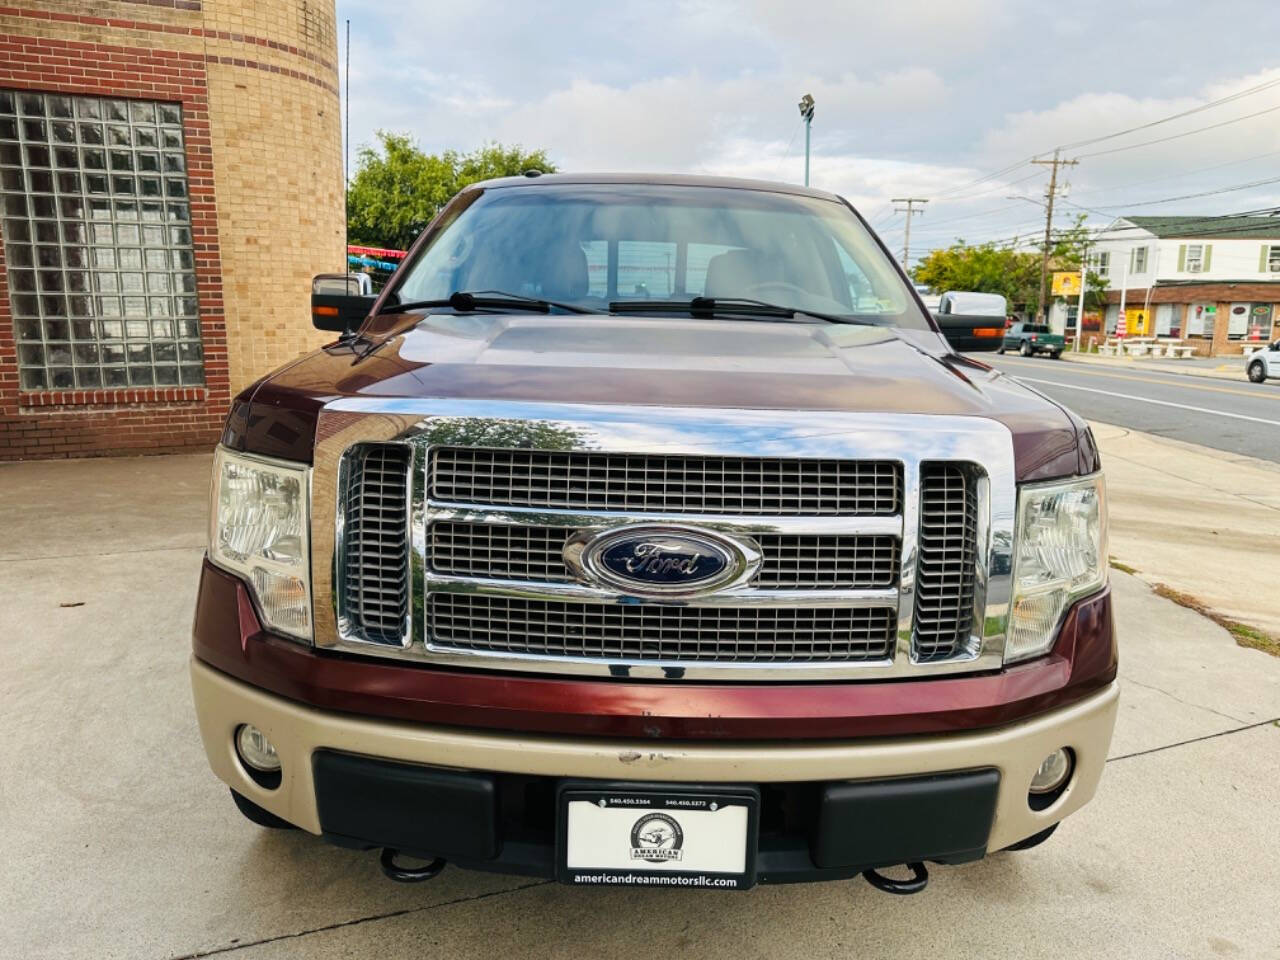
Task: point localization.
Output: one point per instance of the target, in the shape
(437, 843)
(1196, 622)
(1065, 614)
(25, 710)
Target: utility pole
(1053, 164)
(909, 211)
(806, 111)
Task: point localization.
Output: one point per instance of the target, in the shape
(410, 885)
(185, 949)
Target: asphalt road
(1239, 417)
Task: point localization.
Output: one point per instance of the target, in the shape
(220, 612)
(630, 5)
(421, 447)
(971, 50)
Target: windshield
(595, 244)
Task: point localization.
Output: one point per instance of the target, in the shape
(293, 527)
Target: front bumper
(520, 763)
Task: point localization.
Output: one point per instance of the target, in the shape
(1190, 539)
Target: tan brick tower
(170, 179)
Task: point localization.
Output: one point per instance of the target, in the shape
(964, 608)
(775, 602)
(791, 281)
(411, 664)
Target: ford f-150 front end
(648, 532)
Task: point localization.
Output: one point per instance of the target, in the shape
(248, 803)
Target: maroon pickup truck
(646, 531)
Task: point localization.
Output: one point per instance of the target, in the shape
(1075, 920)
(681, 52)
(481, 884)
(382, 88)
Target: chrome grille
(945, 569)
(745, 486)
(826, 562)
(791, 561)
(375, 544)
(473, 622)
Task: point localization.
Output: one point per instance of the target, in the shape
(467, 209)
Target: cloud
(913, 98)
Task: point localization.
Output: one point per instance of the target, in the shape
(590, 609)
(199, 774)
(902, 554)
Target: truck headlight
(1060, 555)
(258, 530)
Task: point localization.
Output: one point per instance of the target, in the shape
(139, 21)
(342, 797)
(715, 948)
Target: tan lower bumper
(222, 704)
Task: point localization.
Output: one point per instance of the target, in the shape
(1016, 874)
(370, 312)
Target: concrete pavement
(1217, 368)
(1199, 520)
(120, 843)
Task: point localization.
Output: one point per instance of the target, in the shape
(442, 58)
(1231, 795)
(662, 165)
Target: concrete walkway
(1216, 368)
(121, 844)
(1202, 521)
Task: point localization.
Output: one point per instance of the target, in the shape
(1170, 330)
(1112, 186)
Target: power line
(1190, 196)
(1111, 231)
(950, 193)
(1178, 136)
(1176, 116)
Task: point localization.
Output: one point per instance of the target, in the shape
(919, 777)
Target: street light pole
(806, 111)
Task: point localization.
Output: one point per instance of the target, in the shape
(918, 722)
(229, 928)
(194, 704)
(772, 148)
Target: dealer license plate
(667, 838)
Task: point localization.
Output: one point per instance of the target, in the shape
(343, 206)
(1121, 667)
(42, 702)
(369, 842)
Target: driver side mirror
(971, 334)
(340, 301)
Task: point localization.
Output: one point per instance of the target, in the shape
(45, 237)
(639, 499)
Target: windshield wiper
(466, 301)
(711, 306)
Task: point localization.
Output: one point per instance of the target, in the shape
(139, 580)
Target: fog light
(1053, 772)
(257, 752)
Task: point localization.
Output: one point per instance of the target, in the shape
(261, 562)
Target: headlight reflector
(258, 530)
(1060, 555)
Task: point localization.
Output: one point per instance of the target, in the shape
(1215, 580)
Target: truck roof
(652, 179)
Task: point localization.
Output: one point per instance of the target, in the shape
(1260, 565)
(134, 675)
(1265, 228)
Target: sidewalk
(1204, 522)
(1218, 368)
(123, 845)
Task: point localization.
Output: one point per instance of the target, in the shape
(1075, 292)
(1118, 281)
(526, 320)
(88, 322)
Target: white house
(1212, 280)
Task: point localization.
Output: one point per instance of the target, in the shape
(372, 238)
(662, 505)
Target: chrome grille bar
(945, 571)
(668, 634)
(374, 557)
(745, 486)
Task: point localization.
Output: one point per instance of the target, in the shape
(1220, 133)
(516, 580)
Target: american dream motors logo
(657, 838)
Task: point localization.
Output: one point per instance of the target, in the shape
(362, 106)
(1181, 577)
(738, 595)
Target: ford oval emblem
(662, 560)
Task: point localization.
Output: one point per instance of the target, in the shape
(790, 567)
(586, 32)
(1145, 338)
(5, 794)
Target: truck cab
(648, 531)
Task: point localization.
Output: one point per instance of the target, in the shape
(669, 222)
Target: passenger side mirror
(971, 334)
(340, 301)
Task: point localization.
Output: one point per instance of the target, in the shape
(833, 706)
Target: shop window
(1200, 319)
(97, 235)
(1238, 321)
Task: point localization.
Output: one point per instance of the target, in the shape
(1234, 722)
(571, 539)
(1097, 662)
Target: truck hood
(662, 361)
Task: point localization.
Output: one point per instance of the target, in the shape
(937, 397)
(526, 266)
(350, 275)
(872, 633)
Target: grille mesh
(553, 628)
(375, 543)
(791, 562)
(747, 486)
(945, 571)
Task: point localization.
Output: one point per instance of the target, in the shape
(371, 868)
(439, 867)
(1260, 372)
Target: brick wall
(258, 84)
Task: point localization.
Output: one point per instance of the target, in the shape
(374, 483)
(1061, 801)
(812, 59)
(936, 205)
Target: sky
(941, 100)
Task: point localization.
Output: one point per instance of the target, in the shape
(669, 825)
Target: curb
(1237, 374)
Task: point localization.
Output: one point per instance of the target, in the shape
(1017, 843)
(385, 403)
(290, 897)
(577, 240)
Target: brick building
(1211, 281)
(170, 179)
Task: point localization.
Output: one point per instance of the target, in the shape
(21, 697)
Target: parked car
(1263, 362)
(750, 580)
(1032, 338)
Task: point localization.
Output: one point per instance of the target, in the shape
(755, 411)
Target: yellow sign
(1136, 322)
(1066, 284)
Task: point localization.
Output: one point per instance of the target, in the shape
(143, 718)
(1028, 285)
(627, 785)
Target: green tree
(397, 189)
(984, 268)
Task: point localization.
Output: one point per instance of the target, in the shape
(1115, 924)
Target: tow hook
(400, 874)
(919, 880)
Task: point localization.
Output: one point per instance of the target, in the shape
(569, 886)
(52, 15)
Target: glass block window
(97, 235)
